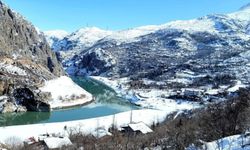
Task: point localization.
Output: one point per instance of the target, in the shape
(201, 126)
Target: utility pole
(131, 115)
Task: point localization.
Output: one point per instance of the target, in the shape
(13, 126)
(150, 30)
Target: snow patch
(236, 87)
(65, 93)
(12, 69)
(235, 142)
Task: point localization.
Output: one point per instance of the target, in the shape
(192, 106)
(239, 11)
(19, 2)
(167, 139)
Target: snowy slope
(54, 36)
(235, 142)
(88, 36)
(243, 14)
(82, 38)
(130, 34)
(65, 93)
(60, 34)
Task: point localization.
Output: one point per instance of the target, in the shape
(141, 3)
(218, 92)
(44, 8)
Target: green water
(106, 103)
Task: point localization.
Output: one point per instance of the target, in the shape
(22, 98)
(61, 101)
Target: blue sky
(71, 15)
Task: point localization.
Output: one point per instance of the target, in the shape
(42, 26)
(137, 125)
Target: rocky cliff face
(26, 60)
(19, 39)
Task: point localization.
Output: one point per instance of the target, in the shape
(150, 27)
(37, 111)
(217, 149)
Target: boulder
(21, 109)
(9, 108)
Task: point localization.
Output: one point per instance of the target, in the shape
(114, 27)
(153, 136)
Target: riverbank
(146, 98)
(86, 126)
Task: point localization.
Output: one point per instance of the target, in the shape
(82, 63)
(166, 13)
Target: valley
(188, 80)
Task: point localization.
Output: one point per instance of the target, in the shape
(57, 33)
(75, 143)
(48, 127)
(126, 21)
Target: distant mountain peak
(60, 34)
(245, 7)
(54, 35)
(243, 14)
(90, 29)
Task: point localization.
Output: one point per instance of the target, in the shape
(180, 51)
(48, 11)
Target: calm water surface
(107, 103)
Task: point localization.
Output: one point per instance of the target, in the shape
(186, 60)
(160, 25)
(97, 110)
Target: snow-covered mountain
(70, 45)
(87, 37)
(62, 41)
(192, 54)
(54, 36)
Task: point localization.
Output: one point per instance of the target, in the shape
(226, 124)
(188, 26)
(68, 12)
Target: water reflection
(102, 93)
(23, 118)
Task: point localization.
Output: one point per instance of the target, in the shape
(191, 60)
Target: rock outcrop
(26, 61)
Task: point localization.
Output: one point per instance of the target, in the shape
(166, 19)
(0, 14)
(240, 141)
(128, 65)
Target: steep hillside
(26, 61)
(20, 40)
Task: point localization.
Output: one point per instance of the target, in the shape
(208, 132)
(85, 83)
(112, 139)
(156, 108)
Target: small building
(192, 92)
(213, 92)
(57, 142)
(30, 141)
(51, 141)
(100, 133)
(136, 128)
